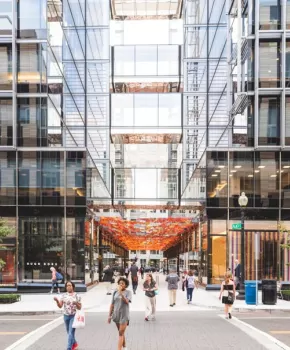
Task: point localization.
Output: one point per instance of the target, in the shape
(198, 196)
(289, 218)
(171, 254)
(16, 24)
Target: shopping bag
(79, 320)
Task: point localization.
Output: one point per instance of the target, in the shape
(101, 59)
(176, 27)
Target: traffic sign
(237, 226)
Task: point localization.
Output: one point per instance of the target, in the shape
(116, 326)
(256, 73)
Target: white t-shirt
(191, 281)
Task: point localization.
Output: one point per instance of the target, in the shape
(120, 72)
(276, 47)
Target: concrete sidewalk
(96, 300)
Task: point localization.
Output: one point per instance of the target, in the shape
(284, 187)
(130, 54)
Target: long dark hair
(151, 276)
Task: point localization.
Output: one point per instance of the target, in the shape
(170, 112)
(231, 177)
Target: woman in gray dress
(119, 310)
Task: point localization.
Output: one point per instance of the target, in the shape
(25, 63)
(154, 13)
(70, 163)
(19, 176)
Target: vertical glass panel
(146, 110)
(287, 63)
(5, 65)
(241, 177)
(270, 14)
(266, 179)
(168, 60)
(287, 121)
(76, 178)
(97, 44)
(41, 246)
(7, 178)
(122, 110)
(287, 14)
(32, 122)
(29, 178)
(98, 12)
(32, 19)
(218, 258)
(269, 120)
(270, 64)
(146, 60)
(6, 122)
(285, 179)
(196, 42)
(124, 60)
(217, 179)
(72, 14)
(32, 64)
(6, 17)
(170, 110)
(251, 66)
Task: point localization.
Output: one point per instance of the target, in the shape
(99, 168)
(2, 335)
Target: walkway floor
(96, 300)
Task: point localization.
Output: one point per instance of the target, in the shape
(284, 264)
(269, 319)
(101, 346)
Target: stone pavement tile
(171, 331)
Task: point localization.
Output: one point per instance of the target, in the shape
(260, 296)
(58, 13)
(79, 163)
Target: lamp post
(243, 201)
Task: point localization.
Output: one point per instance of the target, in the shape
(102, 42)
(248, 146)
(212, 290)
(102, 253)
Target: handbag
(231, 298)
(79, 320)
(156, 292)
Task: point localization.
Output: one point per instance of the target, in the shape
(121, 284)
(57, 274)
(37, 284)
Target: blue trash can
(250, 292)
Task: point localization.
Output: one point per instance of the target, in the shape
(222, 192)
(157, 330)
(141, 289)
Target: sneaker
(153, 318)
(75, 346)
(174, 304)
(146, 319)
(230, 316)
(188, 301)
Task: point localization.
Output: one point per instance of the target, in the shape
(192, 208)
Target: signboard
(237, 226)
(106, 247)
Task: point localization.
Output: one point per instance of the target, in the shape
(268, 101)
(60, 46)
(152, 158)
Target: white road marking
(261, 337)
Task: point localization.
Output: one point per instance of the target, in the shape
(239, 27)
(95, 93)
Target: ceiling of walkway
(147, 234)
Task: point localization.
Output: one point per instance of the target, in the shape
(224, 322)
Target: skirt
(225, 300)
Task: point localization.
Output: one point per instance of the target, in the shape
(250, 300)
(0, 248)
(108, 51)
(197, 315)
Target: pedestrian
(54, 280)
(127, 272)
(172, 279)
(227, 294)
(70, 302)
(150, 287)
(119, 310)
(134, 276)
(142, 270)
(108, 278)
(238, 274)
(190, 283)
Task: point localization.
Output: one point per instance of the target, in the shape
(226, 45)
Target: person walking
(150, 286)
(238, 272)
(134, 276)
(70, 302)
(54, 280)
(228, 294)
(142, 270)
(127, 272)
(119, 310)
(108, 278)
(172, 279)
(190, 283)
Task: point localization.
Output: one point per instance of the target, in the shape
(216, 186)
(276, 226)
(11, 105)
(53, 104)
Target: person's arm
(221, 291)
(59, 303)
(78, 303)
(145, 289)
(234, 289)
(110, 313)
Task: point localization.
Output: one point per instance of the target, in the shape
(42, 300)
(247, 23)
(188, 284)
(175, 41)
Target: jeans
(54, 283)
(189, 293)
(68, 321)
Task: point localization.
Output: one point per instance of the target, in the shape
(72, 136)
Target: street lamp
(243, 201)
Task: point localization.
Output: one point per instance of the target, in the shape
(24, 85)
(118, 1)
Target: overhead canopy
(151, 234)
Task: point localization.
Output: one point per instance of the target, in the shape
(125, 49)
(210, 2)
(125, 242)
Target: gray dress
(121, 312)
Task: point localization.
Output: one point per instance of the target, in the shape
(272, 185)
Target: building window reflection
(270, 14)
(270, 64)
(269, 120)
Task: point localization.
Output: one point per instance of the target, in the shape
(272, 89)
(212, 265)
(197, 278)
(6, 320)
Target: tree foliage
(5, 231)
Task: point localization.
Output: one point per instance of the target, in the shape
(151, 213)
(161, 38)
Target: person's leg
(52, 286)
(230, 310)
(153, 306)
(108, 287)
(174, 296)
(57, 286)
(226, 310)
(190, 293)
(122, 340)
(66, 322)
(147, 307)
(187, 294)
(170, 297)
(71, 333)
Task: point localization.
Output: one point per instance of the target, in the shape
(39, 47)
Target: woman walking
(54, 280)
(228, 293)
(119, 310)
(150, 286)
(70, 302)
(190, 283)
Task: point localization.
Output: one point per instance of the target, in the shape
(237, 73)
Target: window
(269, 120)
(270, 14)
(270, 64)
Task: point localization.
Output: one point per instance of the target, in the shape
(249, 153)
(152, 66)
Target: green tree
(5, 231)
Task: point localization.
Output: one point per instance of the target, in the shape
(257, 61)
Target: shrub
(9, 298)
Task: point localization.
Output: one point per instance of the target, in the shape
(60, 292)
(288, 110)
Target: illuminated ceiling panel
(146, 9)
(146, 138)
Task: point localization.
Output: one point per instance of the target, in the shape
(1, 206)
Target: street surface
(13, 328)
(170, 331)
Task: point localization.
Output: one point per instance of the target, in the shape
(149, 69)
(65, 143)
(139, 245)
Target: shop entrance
(7, 263)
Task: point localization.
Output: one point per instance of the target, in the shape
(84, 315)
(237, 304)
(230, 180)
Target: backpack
(59, 276)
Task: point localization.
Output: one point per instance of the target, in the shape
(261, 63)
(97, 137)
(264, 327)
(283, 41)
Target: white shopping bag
(79, 320)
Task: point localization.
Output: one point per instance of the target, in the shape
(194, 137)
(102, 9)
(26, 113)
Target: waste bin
(251, 292)
(269, 292)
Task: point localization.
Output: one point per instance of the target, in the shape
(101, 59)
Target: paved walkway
(96, 300)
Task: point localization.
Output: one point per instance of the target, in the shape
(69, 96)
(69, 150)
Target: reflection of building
(147, 258)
